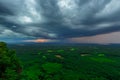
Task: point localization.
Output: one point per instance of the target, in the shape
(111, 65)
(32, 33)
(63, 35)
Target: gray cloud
(58, 19)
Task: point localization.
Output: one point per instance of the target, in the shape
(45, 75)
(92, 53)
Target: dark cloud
(58, 19)
(5, 11)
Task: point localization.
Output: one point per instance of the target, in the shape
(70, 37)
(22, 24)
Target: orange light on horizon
(41, 40)
(38, 40)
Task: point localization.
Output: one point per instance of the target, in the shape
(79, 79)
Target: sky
(74, 21)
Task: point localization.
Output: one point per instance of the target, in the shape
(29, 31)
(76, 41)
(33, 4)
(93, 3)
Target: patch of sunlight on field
(101, 59)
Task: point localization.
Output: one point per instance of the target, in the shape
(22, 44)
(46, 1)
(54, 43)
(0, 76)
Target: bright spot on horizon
(38, 40)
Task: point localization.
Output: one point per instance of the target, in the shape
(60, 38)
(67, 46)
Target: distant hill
(63, 44)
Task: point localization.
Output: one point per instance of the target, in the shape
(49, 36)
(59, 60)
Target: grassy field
(69, 62)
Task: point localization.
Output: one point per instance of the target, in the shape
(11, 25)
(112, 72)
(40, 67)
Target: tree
(9, 63)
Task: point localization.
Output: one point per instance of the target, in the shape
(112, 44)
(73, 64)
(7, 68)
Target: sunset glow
(38, 40)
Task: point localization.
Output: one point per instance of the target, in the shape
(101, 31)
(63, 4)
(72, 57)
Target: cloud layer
(58, 19)
(99, 39)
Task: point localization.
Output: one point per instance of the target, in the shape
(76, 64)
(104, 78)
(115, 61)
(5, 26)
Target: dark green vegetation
(10, 67)
(68, 62)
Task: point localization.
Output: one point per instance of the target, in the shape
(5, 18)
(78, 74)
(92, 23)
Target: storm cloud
(58, 19)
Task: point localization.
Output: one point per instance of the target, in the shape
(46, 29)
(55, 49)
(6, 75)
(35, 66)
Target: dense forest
(37, 62)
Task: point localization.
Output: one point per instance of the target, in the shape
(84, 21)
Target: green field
(69, 62)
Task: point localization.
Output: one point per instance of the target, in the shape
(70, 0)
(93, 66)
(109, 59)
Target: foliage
(9, 63)
(101, 55)
(51, 67)
(41, 63)
(101, 59)
(10, 74)
(31, 73)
